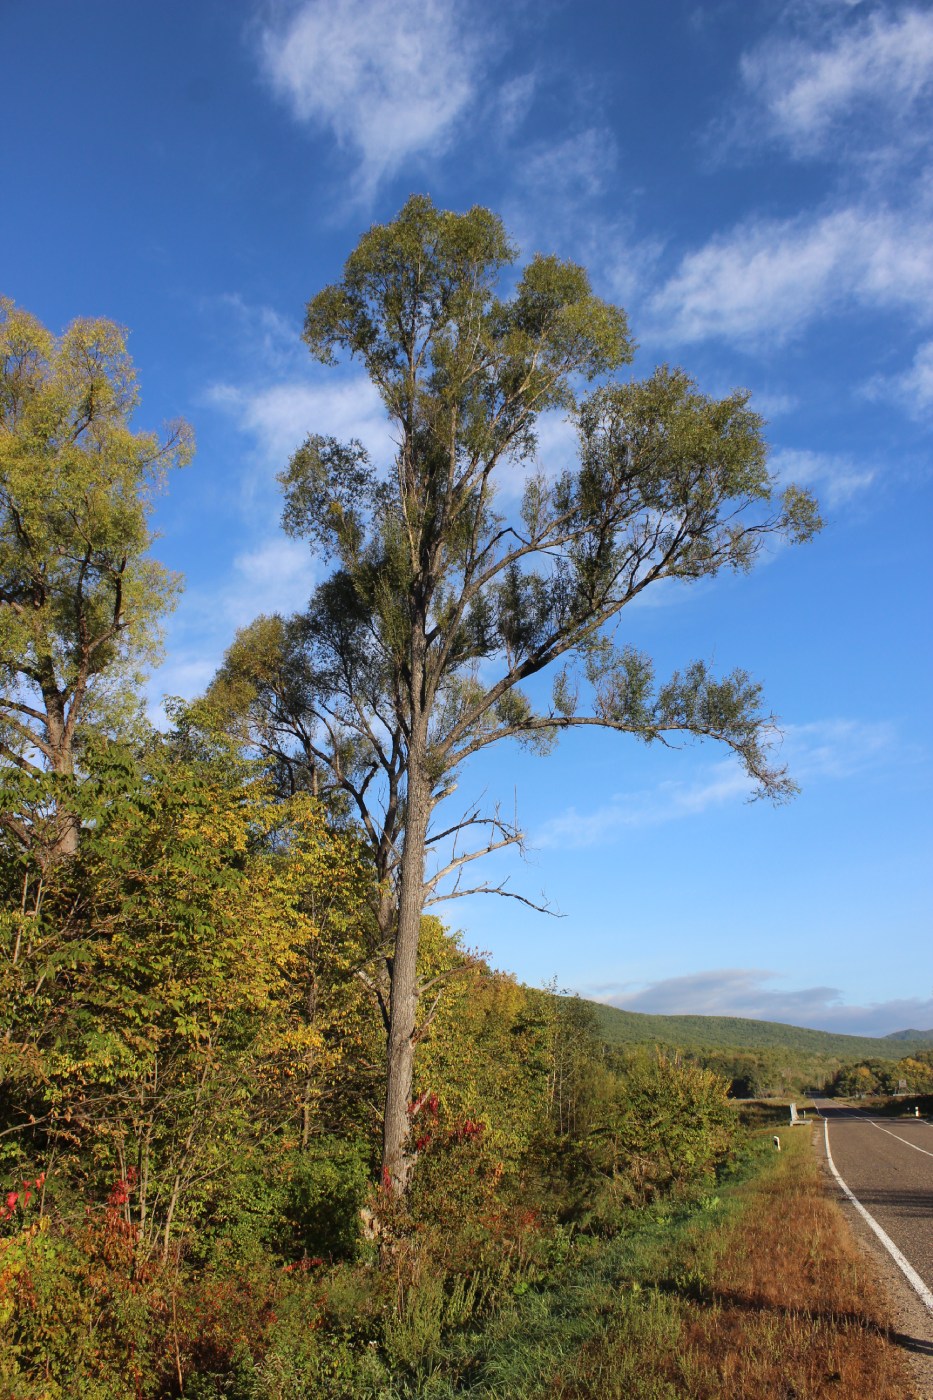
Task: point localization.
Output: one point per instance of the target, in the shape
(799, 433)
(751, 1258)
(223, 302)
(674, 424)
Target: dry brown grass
(777, 1302)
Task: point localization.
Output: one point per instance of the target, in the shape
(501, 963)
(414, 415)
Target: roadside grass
(754, 1289)
(757, 1291)
(771, 1300)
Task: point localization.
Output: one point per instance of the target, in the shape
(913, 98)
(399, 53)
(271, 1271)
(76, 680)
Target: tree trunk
(65, 825)
(396, 1161)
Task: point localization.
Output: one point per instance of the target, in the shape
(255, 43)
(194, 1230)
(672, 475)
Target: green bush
(325, 1187)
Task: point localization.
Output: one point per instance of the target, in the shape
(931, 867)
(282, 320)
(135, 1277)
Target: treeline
(191, 1070)
(763, 1074)
(911, 1075)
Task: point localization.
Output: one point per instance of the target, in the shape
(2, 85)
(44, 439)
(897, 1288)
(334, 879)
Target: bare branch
(542, 908)
(516, 839)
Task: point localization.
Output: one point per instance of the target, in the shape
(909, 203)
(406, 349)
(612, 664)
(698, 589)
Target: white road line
(909, 1272)
(905, 1141)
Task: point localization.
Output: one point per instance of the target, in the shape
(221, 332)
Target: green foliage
(877, 1076)
(164, 994)
(194, 1004)
(80, 598)
(267, 1288)
(487, 1057)
(415, 653)
(325, 1188)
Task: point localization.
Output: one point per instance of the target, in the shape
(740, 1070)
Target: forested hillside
(765, 1058)
(620, 1027)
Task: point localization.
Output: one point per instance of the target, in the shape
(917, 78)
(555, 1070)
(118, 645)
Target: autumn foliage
(191, 1072)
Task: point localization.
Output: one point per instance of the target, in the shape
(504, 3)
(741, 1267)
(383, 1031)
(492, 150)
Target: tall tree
(79, 596)
(414, 653)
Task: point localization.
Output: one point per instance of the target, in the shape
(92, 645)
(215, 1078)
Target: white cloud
(514, 103)
(280, 416)
(276, 574)
(773, 405)
(721, 783)
(881, 65)
(260, 334)
(913, 389)
(391, 78)
(830, 749)
(745, 992)
(771, 278)
(837, 748)
(577, 167)
(836, 479)
(273, 573)
(186, 673)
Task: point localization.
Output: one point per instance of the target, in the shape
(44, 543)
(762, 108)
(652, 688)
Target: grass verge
(772, 1299)
(756, 1292)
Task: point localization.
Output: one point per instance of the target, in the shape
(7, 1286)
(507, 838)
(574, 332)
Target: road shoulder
(911, 1322)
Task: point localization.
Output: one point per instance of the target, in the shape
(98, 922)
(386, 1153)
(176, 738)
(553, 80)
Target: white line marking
(905, 1141)
(909, 1272)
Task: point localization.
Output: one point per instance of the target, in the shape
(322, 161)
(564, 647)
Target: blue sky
(752, 180)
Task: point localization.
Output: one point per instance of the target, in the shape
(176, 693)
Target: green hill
(738, 1033)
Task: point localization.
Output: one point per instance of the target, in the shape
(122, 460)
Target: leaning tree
(443, 603)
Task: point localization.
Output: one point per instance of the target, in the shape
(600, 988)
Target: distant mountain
(738, 1033)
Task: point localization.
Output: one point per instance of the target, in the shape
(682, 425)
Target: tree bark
(66, 826)
(397, 1162)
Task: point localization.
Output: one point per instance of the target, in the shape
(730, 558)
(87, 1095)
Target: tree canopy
(80, 597)
(443, 603)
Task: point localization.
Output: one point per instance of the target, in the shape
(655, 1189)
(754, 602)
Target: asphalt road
(887, 1164)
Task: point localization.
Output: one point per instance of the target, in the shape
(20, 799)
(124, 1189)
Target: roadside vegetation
(191, 1072)
(911, 1075)
(191, 1143)
(760, 1291)
(268, 1129)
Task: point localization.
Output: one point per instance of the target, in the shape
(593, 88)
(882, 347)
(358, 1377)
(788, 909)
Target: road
(887, 1164)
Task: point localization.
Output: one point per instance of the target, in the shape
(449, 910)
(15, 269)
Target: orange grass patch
(777, 1301)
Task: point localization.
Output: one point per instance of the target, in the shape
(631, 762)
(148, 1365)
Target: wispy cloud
(774, 404)
(852, 78)
(823, 750)
(748, 992)
(719, 784)
(390, 78)
(279, 417)
(514, 102)
(838, 748)
(276, 574)
(836, 479)
(579, 165)
(773, 278)
(912, 389)
(259, 334)
(562, 199)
